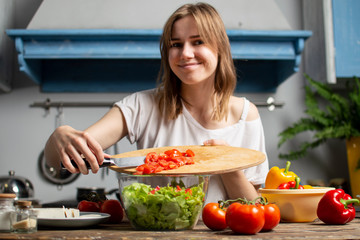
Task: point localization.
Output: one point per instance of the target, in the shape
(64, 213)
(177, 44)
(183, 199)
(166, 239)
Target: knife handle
(107, 162)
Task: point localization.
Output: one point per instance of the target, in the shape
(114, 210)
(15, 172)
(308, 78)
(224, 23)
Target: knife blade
(125, 162)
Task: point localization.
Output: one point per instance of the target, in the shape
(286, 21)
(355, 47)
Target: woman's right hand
(66, 144)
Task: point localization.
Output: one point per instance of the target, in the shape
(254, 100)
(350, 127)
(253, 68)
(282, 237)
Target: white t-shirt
(148, 129)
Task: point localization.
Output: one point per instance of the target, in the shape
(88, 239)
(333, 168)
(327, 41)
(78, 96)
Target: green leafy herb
(340, 118)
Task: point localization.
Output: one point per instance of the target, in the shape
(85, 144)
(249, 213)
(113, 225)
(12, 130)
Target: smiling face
(195, 54)
(192, 61)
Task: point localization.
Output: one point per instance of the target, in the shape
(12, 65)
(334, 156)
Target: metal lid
(7, 195)
(22, 187)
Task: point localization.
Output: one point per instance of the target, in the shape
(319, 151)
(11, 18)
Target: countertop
(313, 230)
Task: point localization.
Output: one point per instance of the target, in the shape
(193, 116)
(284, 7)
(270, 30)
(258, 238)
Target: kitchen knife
(124, 162)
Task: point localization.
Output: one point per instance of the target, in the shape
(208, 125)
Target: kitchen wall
(24, 130)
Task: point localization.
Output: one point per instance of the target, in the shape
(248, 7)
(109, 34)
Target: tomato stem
(262, 200)
(225, 204)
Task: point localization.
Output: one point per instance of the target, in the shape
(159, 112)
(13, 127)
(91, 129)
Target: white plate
(86, 219)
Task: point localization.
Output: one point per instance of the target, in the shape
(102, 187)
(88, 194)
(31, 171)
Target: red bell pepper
(291, 185)
(336, 207)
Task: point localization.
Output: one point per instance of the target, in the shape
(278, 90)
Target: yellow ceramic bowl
(296, 205)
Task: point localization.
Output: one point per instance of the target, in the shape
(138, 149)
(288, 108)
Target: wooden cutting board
(208, 159)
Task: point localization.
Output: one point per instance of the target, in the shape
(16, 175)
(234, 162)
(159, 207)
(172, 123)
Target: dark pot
(91, 193)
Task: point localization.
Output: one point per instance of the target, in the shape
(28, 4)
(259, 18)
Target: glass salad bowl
(162, 202)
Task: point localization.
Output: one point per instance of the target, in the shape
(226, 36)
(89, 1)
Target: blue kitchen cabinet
(333, 52)
(346, 25)
(124, 60)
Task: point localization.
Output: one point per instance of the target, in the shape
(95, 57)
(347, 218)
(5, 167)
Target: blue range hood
(128, 60)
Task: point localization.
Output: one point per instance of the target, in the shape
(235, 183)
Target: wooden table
(314, 230)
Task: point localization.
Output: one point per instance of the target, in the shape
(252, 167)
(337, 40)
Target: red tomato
(214, 217)
(170, 159)
(88, 206)
(163, 156)
(147, 169)
(189, 153)
(150, 157)
(155, 190)
(158, 169)
(272, 216)
(113, 207)
(173, 153)
(164, 163)
(168, 152)
(189, 191)
(245, 219)
(179, 161)
(189, 161)
(140, 167)
(172, 165)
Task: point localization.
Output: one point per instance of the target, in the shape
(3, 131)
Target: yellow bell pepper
(277, 176)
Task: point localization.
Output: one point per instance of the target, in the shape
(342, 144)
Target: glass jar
(6, 208)
(23, 219)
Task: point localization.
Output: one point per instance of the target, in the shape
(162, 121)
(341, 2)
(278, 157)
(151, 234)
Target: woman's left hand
(213, 142)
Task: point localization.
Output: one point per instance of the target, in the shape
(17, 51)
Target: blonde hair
(212, 31)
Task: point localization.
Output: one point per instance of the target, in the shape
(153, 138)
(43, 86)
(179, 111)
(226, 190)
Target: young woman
(194, 104)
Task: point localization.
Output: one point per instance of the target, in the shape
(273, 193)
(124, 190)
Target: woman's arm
(236, 183)
(237, 186)
(67, 143)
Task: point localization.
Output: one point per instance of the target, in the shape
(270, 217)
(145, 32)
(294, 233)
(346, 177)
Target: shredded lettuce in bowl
(164, 208)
